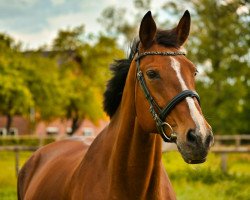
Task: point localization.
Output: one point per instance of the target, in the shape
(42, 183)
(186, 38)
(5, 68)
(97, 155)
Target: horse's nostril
(209, 140)
(191, 136)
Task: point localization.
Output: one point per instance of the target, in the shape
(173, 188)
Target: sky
(36, 22)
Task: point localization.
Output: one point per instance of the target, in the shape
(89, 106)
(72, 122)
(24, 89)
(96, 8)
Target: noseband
(160, 115)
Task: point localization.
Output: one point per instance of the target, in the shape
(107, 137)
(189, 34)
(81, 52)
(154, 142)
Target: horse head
(166, 101)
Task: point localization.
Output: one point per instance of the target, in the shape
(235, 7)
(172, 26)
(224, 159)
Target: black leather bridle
(160, 115)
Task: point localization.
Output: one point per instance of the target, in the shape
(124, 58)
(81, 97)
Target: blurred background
(54, 65)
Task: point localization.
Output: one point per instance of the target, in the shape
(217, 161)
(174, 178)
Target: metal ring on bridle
(164, 136)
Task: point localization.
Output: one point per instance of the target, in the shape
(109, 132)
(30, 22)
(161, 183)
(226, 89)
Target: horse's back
(48, 172)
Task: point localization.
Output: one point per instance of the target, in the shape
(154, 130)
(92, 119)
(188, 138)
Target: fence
(17, 149)
(27, 140)
(224, 145)
(19, 143)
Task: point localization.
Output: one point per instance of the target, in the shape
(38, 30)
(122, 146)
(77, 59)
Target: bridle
(160, 115)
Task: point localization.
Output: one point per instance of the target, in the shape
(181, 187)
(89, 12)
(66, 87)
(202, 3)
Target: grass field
(207, 181)
(7, 174)
(191, 182)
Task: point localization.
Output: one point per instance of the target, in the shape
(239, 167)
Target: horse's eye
(196, 72)
(152, 74)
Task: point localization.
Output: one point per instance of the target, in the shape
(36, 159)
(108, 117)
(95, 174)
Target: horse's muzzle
(195, 147)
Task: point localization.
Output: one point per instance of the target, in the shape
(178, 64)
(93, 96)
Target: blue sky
(36, 22)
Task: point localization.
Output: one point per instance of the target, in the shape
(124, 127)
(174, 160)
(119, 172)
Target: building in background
(22, 126)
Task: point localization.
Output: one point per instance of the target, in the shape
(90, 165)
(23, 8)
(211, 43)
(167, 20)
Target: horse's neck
(134, 165)
(135, 162)
(125, 161)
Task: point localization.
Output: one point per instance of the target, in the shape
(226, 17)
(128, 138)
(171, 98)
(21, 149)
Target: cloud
(36, 22)
(38, 36)
(34, 40)
(75, 19)
(46, 34)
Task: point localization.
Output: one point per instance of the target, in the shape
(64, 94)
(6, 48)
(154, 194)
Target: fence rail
(18, 148)
(222, 146)
(236, 139)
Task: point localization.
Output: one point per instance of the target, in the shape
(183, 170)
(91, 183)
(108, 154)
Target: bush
(25, 141)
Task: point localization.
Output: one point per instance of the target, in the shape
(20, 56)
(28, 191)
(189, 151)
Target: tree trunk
(8, 123)
(76, 122)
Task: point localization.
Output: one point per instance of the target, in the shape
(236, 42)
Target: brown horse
(151, 92)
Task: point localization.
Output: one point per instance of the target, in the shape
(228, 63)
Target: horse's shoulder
(72, 148)
(65, 155)
(26, 173)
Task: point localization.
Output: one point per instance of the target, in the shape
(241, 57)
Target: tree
(219, 45)
(41, 76)
(28, 81)
(69, 40)
(65, 82)
(15, 96)
(83, 70)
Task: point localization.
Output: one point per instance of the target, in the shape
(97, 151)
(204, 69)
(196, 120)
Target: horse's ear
(147, 30)
(183, 28)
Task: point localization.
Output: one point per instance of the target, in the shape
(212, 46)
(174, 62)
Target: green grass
(191, 182)
(206, 181)
(8, 175)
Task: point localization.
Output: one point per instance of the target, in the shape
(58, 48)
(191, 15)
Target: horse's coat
(124, 161)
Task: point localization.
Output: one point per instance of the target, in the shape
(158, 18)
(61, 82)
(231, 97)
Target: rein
(160, 115)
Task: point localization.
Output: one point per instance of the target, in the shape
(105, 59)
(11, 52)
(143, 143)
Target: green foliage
(221, 50)
(42, 78)
(68, 81)
(28, 81)
(84, 72)
(219, 46)
(15, 97)
(8, 44)
(68, 39)
(65, 82)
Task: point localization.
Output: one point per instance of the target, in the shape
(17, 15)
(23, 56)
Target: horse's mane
(120, 68)
(115, 86)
